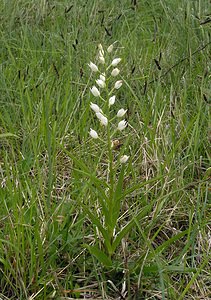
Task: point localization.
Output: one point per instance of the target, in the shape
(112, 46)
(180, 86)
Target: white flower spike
(95, 107)
(112, 100)
(93, 133)
(118, 84)
(124, 159)
(122, 124)
(115, 61)
(95, 92)
(115, 72)
(93, 67)
(121, 112)
(100, 83)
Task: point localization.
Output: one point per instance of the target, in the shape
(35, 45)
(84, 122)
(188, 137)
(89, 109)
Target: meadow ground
(56, 241)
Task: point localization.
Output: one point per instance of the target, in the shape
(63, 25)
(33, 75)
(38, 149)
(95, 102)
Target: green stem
(111, 176)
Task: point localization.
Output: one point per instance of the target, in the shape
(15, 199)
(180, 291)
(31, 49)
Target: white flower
(121, 112)
(95, 107)
(99, 115)
(102, 59)
(95, 92)
(93, 67)
(122, 124)
(110, 48)
(93, 133)
(124, 159)
(100, 47)
(102, 77)
(111, 100)
(104, 121)
(116, 61)
(118, 84)
(101, 52)
(115, 72)
(102, 118)
(100, 83)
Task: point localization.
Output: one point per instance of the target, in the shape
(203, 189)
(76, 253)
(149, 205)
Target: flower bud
(100, 83)
(115, 72)
(95, 92)
(121, 112)
(99, 115)
(116, 61)
(93, 133)
(118, 84)
(93, 67)
(104, 121)
(100, 47)
(122, 124)
(110, 48)
(124, 159)
(95, 107)
(101, 52)
(102, 59)
(111, 100)
(102, 118)
(102, 77)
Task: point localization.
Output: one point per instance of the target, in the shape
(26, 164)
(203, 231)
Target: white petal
(93, 133)
(124, 159)
(100, 83)
(104, 121)
(102, 59)
(95, 107)
(110, 48)
(118, 84)
(102, 118)
(95, 92)
(93, 67)
(115, 72)
(102, 77)
(100, 47)
(111, 100)
(122, 124)
(121, 112)
(116, 61)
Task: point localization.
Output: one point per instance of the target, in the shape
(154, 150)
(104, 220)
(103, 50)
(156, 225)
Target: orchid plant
(112, 122)
(111, 131)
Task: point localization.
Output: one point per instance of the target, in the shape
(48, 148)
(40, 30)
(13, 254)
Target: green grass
(53, 175)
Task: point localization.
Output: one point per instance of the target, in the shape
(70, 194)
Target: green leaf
(129, 225)
(96, 222)
(116, 201)
(8, 134)
(100, 255)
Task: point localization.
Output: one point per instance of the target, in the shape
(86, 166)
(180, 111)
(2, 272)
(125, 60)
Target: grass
(52, 172)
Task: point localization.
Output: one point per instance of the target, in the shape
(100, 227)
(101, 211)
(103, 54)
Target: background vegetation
(44, 115)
